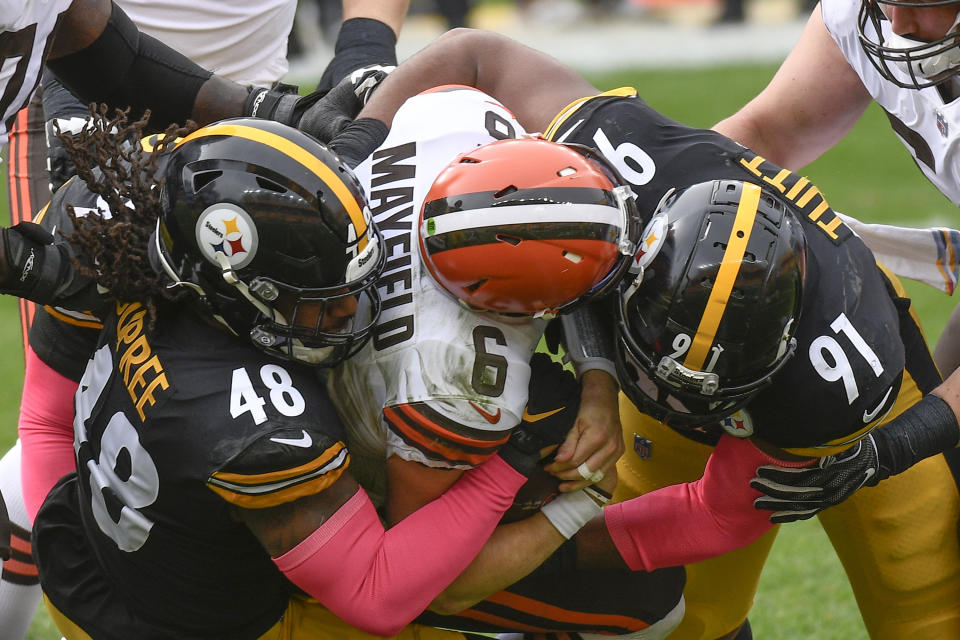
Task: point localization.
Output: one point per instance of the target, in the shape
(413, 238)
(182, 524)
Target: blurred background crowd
(537, 21)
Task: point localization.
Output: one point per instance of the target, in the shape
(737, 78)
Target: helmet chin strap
(925, 67)
(230, 277)
(297, 350)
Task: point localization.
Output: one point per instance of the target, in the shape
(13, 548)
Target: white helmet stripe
(527, 214)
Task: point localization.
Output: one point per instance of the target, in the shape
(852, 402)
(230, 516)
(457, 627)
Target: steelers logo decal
(739, 425)
(651, 242)
(226, 228)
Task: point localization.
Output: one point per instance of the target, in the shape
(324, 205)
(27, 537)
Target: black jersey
(65, 338)
(175, 426)
(850, 358)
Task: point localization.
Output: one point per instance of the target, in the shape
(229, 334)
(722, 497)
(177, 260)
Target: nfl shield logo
(642, 446)
(942, 124)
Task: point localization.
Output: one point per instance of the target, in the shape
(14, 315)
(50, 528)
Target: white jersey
(438, 383)
(928, 127)
(26, 28)
(244, 40)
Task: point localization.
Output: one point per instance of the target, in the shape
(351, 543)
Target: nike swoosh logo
(303, 441)
(867, 474)
(868, 416)
(492, 418)
(536, 417)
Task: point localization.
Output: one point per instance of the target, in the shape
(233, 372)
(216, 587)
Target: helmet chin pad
(923, 59)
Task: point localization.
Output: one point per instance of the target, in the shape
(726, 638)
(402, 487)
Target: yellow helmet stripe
(551, 131)
(726, 276)
(302, 156)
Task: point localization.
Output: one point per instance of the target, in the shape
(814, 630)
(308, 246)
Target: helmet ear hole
(472, 288)
(269, 185)
(203, 178)
(505, 192)
(511, 240)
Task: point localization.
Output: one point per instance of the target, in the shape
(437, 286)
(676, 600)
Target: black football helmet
(924, 63)
(708, 313)
(267, 228)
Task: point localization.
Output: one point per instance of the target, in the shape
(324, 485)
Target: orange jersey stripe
(20, 544)
(430, 444)
(551, 612)
(18, 187)
(18, 567)
(20, 206)
(420, 418)
(396, 417)
(489, 618)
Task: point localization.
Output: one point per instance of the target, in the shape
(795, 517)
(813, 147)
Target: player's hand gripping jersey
(851, 364)
(439, 383)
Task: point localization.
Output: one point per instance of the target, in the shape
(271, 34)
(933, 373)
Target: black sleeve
(361, 42)
(126, 68)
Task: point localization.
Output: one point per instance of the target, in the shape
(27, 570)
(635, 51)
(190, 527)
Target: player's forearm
(381, 580)
(691, 522)
(411, 485)
(530, 83)
(123, 67)
(949, 391)
(511, 553)
(444, 61)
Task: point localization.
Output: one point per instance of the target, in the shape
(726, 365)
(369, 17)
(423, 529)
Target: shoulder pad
(281, 466)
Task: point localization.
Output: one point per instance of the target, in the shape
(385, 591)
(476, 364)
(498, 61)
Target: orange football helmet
(528, 226)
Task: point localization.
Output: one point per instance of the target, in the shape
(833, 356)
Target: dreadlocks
(111, 159)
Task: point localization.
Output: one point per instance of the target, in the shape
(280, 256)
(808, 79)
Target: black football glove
(552, 406)
(33, 265)
(59, 165)
(553, 401)
(67, 115)
(925, 429)
(801, 493)
(321, 114)
(358, 140)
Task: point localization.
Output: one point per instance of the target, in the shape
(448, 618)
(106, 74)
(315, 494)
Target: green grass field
(803, 593)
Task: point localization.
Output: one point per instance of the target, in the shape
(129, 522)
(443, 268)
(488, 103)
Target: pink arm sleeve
(380, 580)
(45, 430)
(687, 523)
